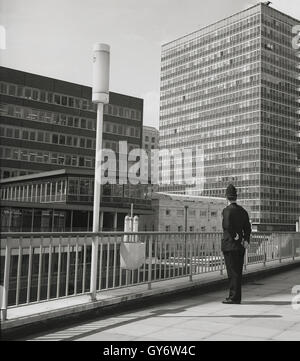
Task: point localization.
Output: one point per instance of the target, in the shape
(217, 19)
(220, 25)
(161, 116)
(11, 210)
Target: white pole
(100, 96)
(97, 200)
(97, 185)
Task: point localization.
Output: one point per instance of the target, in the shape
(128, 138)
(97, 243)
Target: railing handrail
(115, 233)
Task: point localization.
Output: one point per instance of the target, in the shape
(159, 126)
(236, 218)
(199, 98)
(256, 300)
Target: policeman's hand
(246, 244)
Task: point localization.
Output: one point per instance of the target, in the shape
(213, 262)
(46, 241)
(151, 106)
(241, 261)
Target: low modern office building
(49, 124)
(47, 154)
(178, 213)
(62, 200)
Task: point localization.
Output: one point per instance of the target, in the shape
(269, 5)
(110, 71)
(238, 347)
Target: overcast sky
(55, 37)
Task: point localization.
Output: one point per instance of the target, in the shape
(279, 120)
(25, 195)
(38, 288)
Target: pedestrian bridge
(47, 278)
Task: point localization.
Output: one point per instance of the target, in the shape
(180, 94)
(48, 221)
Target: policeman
(236, 237)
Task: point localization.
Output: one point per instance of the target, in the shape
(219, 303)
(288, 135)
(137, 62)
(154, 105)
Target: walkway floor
(266, 313)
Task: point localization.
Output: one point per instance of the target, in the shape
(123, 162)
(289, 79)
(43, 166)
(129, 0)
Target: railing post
(279, 245)
(94, 266)
(191, 261)
(150, 264)
(293, 249)
(5, 283)
(221, 260)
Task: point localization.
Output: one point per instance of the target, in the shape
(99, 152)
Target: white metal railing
(37, 267)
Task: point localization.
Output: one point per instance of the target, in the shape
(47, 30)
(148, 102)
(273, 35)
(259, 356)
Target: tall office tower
(231, 89)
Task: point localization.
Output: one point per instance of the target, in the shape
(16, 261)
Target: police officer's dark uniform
(236, 229)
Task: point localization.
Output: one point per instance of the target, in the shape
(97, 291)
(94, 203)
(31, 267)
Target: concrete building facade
(178, 213)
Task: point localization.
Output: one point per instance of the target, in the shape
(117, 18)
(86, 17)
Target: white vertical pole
(100, 96)
(97, 199)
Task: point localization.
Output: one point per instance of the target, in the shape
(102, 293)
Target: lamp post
(100, 96)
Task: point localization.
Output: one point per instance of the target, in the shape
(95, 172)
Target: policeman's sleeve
(247, 228)
(225, 221)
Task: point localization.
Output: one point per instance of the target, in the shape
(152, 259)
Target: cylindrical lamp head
(101, 59)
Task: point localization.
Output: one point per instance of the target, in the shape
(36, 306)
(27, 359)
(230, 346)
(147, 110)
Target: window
(3, 88)
(180, 228)
(7, 153)
(153, 140)
(68, 160)
(28, 93)
(47, 137)
(32, 136)
(69, 140)
(70, 121)
(24, 155)
(9, 132)
(203, 229)
(90, 124)
(168, 228)
(214, 213)
(25, 135)
(168, 212)
(40, 137)
(61, 159)
(35, 94)
(83, 123)
(50, 97)
(76, 122)
(62, 140)
(82, 142)
(191, 228)
(54, 158)
(12, 90)
(17, 133)
(54, 138)
(57, 99)
(146, 138)
(71, 102)
(89, 143)
(81, 161)
(64, 100)
(42, 96)
(180, 212)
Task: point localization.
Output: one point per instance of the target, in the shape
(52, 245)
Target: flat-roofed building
(178, 213)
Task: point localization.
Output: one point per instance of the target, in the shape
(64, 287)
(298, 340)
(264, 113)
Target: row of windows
(201, 132)
(197, 59)
(218, 67)
(121, 129)
(12, 172)
(47, 117)
(209, 41)
(29, 155)
(191, 212)
(190, 228)
(222, 111)
(194, 80)
(191, 93)
(47, 137)
(194, 120)
(70, 121)
(67, 101)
